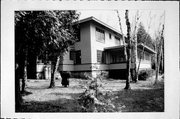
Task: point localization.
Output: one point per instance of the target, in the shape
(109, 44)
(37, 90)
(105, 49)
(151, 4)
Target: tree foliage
(45, 31)
(144, 37)
(41, 33)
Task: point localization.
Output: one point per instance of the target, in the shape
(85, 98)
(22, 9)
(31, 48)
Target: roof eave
(99, 22)
(147, 48)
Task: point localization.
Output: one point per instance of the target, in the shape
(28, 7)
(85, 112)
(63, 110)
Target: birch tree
(134, 44)
(159, 47)
(159, 50)
(126, 50)
(123, 37)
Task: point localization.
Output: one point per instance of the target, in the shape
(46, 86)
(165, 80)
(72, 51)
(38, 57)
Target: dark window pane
(109, 36)
(78, 57)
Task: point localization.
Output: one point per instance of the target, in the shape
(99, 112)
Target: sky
(110, 17)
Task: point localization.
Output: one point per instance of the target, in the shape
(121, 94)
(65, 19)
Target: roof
(114, 47)
(99, 22)
(141, 45)
(146, 48)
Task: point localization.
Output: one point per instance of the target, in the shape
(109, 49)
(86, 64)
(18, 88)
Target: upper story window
(100, 35)
(78, 35)
(118, 40)
(77, 31)
(109, 35)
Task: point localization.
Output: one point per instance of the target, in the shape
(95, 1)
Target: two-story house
(100, 48)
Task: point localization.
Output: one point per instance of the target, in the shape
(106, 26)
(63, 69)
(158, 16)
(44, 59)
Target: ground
(143, 96)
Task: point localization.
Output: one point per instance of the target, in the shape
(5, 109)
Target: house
(100, 49)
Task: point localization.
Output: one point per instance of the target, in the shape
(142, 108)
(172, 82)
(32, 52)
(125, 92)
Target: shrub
(93, 99)
(144, 74)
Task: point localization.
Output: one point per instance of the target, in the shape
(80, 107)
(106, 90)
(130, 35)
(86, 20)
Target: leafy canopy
(144, 37)
(44, 31)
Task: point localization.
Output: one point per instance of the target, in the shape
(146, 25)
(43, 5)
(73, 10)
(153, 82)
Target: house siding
(85, 43)
(99, 45)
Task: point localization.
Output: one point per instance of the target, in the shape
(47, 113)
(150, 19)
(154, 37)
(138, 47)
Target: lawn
(143, 96)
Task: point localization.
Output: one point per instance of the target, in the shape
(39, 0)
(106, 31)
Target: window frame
(110, 36)
(117, 39)
(102, 58)
(75, 60)
(100, 35)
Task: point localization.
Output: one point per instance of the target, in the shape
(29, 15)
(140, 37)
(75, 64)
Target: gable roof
(99, 22)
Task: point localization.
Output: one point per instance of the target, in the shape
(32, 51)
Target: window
(76, 29)
(78, 35)
(140, 55)
(72, 55)
(101, 56)
(117, 57)
(77, 57)
(117, 40)
(100, 35)
(147, 57)
(109, 36)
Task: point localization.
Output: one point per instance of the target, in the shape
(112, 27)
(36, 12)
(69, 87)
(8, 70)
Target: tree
(42, 32)
(123, 37)
(160, 51)
(127, 48)
(144, 37)
(134, 46)
(128, 73)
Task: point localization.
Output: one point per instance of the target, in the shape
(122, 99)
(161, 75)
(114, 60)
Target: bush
(144, 74)
(93, 100)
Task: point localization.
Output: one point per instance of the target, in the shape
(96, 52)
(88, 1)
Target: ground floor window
(147, 56)
(101, 58)
(144, 55)
(117, 57)
(77, 57)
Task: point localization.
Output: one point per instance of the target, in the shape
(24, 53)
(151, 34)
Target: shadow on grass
(25, 93)
(59, 105)
(145, 100)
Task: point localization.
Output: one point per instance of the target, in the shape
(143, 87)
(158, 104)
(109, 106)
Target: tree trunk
(124, 43)
(135, 78)
(55, 66)
(158, 64)
(52, 83)
(158, 57)
(18, 98)
(24, 79)
(135, 74)
(128, 78)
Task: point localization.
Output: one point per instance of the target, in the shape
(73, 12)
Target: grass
(143, 96)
